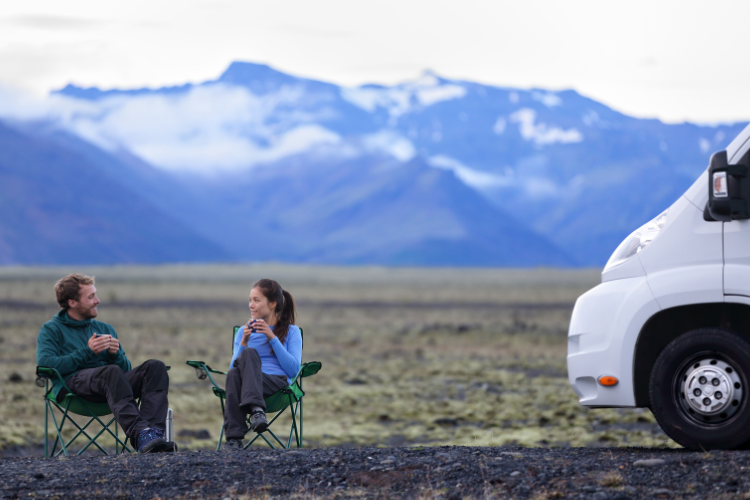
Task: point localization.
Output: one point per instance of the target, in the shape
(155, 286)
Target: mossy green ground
(410, 356)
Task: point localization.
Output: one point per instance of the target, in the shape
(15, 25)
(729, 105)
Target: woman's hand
(262, 327)
(246, 332)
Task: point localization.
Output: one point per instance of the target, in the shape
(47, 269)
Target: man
(90, 359)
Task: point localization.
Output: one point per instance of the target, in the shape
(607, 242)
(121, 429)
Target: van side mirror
(728, 190)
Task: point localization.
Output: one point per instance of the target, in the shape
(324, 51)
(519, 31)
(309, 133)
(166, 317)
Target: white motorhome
(669, 326)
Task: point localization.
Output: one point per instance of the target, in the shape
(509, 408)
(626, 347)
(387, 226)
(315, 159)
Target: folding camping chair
(288, 397)
(78, 406)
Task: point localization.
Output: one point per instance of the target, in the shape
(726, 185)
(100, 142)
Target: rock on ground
(439, 472)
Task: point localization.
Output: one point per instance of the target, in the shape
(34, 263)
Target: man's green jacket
(63, 344)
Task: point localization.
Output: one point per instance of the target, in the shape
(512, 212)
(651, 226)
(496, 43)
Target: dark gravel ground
(440, 472)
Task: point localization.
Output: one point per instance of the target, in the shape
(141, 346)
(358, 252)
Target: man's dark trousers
(119, 390)
(247, 386)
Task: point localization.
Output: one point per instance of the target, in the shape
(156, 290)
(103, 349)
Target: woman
(266, 357)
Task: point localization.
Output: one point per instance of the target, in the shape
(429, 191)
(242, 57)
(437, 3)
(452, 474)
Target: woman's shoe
(258, 422)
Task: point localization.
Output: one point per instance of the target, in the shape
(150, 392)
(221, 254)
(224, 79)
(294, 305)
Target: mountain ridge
(572, 170)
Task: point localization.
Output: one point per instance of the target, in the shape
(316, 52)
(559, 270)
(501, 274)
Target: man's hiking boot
(170, 446)
(258, 422)
(232, 445)
(151, 441)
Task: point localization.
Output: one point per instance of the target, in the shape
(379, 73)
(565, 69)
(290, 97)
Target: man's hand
(100, 343)
(114, 346)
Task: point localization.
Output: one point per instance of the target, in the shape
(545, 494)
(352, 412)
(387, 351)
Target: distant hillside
(378, 212)
(58, 207)
(431, 171)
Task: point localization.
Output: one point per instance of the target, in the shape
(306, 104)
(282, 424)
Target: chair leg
(300, 422)
(266, 440)
(269, 442)
(46, 422)
(278, 414)
(59, 429)
(221, 434)
(250, 443)
(92, 440)
(82, 430)
(105, 428)
(293, 430)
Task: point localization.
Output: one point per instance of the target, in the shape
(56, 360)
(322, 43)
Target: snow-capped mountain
(553, 172)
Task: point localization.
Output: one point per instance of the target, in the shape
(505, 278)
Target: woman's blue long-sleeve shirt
(284, 359)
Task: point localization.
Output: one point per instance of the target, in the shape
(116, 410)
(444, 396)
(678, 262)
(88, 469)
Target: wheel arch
(665, 326)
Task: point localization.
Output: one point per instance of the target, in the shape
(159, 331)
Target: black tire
(677, 372)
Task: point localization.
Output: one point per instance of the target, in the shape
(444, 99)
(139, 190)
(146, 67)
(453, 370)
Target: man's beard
(87, 313)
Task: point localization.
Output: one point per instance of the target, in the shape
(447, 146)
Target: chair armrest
(307, 370)
(201, 364)
(203, 371)
(43, 372)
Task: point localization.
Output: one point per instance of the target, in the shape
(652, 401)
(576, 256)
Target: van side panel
(684, 264)
(737, 258)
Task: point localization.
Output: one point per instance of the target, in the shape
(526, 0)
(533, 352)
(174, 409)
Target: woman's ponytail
(286, 315)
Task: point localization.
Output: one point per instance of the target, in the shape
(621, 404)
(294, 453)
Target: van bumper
(604, 329)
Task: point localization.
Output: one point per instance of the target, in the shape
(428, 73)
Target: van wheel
(698, 389)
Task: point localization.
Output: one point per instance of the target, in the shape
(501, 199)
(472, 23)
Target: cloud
(45, 22)
(532, 186)
(470, 177)
(208, 128)
(227, 152)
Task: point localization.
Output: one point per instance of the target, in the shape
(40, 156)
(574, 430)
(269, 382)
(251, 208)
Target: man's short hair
(69, 288)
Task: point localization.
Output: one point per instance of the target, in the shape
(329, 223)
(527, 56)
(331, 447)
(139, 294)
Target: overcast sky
(673, 60)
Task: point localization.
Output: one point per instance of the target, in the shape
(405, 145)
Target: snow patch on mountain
(499, 126)
(401, 99)
(397, 101)
(541, 133)
(549, 99)
(432, 95)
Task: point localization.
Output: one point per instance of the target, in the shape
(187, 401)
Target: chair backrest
(236, 329)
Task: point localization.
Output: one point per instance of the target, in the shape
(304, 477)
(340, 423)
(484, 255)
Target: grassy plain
(410, 356)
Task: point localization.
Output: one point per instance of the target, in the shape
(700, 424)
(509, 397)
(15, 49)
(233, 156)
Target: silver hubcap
(711, 390)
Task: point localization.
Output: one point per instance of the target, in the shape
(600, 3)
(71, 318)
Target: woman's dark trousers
(247, 386)
(109, 384)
